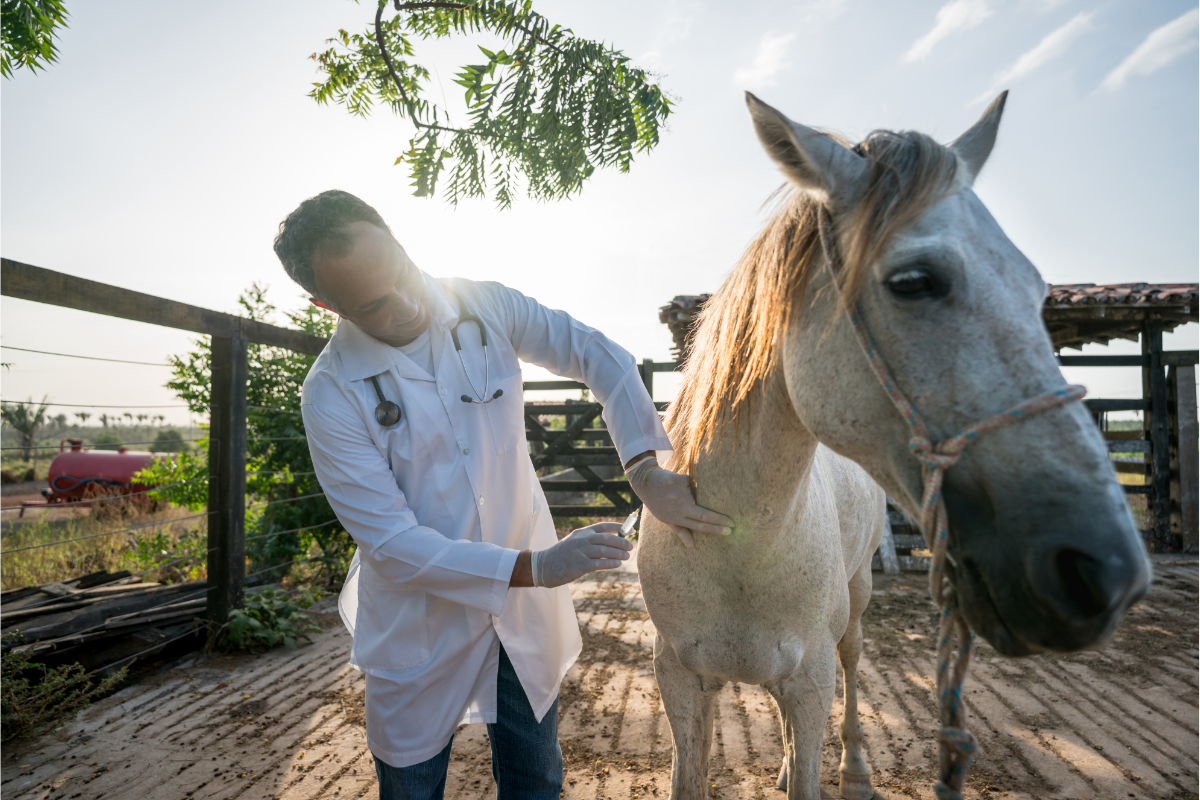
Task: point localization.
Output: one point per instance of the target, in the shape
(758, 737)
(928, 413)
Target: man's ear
(319, 304)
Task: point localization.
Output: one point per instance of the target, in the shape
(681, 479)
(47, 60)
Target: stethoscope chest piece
(387, 413)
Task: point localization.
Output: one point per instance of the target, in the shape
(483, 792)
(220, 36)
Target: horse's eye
(911, 283)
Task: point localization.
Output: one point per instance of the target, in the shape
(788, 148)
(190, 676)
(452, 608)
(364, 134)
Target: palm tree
(104, 420)
(25, 419)
(141, 418)
(83, 417)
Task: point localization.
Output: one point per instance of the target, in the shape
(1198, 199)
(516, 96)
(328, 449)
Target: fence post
(1154, 387)
(1181, 382)
(227, 477)
(648, 376)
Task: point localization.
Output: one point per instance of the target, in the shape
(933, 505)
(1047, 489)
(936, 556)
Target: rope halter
(956, 745)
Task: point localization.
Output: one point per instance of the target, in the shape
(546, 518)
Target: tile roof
(1076, 313)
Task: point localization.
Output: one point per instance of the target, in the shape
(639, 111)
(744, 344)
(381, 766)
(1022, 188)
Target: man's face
(375, 286)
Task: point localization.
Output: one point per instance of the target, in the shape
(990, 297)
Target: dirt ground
(1117, 723)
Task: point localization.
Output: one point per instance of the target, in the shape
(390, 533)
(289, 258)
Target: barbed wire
(88, 358)
(107, 533)
(103, 445)
(294, 499)
(78, 405)
(293, 530)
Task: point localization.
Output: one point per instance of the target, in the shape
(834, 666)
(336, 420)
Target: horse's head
(1042, 548)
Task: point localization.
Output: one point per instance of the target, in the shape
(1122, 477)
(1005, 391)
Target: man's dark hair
(320, 223)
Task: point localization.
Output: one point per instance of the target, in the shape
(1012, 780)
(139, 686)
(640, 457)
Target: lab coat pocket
(391, 630)
(506, 415)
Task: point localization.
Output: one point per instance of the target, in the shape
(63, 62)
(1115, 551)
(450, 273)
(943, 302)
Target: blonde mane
(734, 347)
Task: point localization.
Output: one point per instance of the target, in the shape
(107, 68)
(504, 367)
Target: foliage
(278, 466)
(148, 550)
(107, 441)
(151, 550)
(269, 618)
(26, 419)
(34, 697)
(29, 29)
(548, 108)
(169, 440)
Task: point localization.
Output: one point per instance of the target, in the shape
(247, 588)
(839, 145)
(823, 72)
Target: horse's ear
(974, 146)
(809, 158)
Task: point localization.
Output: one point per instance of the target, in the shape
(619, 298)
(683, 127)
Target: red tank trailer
(78, 475)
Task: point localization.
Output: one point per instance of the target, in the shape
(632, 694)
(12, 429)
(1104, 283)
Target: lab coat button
(442, 391)
(466, 451)
(481, 501)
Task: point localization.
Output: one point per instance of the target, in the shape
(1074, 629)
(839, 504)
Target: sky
(164, 148)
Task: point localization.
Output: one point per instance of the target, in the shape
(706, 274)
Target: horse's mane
(734, 346)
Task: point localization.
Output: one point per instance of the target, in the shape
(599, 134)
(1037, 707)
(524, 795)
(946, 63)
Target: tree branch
(387, 59)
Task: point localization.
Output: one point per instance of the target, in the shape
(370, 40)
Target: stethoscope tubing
(388, 413)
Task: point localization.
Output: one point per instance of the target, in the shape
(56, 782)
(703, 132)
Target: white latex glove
(668, 495)
(581, 551)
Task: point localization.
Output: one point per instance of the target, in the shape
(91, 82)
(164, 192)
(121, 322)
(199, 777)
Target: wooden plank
(585, 486)
(1186, 443)
(551, 385)
(1125, 436)
(1129, 468)
(1128, 447)
(887, 550)
(1180, 358)
(27, 282)
(227, 478)
(1100, 361)
(563, 440)
(647, 370)
(607, 458)
(587, 511)
(556, 409)
(1117, 405)
(589, 434)
(1135, 489)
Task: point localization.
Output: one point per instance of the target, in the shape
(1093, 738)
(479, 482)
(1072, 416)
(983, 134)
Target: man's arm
(362, 492)
(567, 347)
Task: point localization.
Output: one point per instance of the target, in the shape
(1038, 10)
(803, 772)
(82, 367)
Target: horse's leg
(690, 701)
(854, 773)
(805, 699)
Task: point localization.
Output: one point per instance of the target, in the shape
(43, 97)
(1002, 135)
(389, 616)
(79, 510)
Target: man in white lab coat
(456, 596)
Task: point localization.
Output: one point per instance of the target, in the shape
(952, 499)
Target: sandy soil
(1117, 723)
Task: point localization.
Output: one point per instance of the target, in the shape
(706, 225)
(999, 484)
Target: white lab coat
(441, 504)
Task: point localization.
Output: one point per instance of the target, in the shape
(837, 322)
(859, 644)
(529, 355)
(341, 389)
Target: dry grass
(76, 558)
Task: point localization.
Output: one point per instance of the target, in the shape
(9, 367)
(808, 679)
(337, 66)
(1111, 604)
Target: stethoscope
(388, 413)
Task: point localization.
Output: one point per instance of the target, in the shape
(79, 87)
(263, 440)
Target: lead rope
(956, 745)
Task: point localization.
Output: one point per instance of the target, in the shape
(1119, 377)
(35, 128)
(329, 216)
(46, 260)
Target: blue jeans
(526, 760)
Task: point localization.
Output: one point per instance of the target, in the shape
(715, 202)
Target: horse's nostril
(1081, 579)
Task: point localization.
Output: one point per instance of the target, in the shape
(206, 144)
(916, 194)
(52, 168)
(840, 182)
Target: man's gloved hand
(668, 495)
(580, 552)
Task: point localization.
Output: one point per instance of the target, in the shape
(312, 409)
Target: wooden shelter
(1079, 314)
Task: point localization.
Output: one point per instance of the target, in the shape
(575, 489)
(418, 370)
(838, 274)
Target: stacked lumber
(101, 619)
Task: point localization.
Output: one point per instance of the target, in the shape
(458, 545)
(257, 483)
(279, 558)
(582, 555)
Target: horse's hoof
(855, 787)
(781, 784)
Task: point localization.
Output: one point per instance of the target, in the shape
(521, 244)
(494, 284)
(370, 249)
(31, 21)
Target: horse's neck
(758, 471)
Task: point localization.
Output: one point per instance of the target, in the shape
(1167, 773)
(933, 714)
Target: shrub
(107, 441)
(34, 697)
(170, 441)
(269, 618)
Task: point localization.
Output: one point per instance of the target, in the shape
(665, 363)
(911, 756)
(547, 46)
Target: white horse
(784, 427)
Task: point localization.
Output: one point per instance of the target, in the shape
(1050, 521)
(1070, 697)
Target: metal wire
(107, 533)
(293, 530)
(294, 499)
(280, 410)
(279, 472)
(106, 498)
(89, 358)
(104, 444)
(172, 563)
(285, 564)
(77, 405)
(276, 438)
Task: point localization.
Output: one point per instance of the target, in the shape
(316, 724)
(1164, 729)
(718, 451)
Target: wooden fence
(581, 443)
